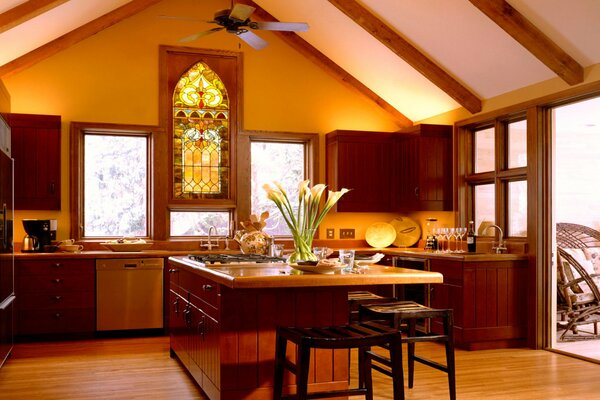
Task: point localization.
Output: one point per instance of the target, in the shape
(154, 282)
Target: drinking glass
(461, 232)
(452, 234)
(346, 257)
(445, 235)
(437, 232)
(321, 252)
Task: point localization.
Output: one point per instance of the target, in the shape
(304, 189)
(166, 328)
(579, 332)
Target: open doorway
(576, 200)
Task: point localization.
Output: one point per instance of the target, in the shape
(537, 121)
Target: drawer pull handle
(57, 298)
(207, 288)
(57, 315)
(57, 280)
(57, 265)
(173, 270)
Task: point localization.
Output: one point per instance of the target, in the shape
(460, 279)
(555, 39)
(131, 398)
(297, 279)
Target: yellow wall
(113, 77)
(4, 98)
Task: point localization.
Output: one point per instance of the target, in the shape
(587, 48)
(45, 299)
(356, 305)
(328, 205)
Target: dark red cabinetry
(402, 171)
(489, 300)
(36, 151)
(360, 161)
(423, 168)
(55, 297)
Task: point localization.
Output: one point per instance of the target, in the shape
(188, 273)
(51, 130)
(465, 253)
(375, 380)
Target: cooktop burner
(234, 258)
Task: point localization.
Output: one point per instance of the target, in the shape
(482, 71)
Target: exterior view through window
(116, 185)
(283, 162)
(499, 172)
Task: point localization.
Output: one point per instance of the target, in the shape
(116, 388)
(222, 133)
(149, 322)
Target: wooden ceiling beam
(75, 36)
(311, 53)
(533, 39)
(26, 11)
(403, 49)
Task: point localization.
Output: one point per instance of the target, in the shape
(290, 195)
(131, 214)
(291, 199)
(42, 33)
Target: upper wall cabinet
(410, 170)
(36, 151)
(423, 168)
(360, 161)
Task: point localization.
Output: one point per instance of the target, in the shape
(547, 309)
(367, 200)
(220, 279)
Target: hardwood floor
(141, 368)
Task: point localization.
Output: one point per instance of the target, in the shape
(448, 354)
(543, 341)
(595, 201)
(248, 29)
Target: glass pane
(115, 190)
(517, 144)
(197, 223)
(576, 169)
(484, 150)
(517, 208)
(281, 162)
(485, 208)
(200, 135)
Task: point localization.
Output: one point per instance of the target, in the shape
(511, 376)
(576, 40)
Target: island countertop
(280, 275)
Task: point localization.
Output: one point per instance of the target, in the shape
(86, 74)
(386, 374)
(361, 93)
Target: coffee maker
(40, 233)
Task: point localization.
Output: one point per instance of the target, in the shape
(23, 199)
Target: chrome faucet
(209, 245)
(500, 248)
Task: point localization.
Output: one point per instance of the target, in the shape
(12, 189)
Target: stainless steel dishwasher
(129, 294)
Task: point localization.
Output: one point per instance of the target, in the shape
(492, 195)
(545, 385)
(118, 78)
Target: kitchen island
(222, 321)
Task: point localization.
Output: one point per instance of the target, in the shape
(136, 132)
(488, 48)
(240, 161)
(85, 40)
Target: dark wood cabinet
(55, 297)
(423, 168)
(360, 161)
(194, 327)
(403, 171)
(489, 300)
(36, 151)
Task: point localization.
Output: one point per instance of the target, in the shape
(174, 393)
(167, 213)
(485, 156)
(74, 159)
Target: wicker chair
(578, 293)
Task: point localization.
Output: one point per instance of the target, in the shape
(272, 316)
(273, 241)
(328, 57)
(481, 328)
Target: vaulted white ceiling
(454, 34)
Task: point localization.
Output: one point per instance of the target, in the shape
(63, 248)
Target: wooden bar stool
(409, 312)
(361, 336)
(358, 297)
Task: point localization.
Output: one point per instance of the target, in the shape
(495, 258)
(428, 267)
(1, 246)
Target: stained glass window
(200, 135)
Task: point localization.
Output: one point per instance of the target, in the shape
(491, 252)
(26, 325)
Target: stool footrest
(333, 393)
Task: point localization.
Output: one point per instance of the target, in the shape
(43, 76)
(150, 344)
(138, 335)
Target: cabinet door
(177, 307)
(36, 151)
(360, 161)
(422, 158)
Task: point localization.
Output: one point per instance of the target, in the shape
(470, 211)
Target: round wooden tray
(408, 232)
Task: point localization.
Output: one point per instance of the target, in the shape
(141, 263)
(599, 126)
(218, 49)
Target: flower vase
(303, 248)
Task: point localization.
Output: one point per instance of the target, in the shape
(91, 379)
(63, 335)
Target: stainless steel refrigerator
(7, 285)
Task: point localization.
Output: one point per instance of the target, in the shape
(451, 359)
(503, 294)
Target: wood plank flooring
(140, 368)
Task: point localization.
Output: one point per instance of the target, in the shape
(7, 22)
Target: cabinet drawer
(56, 300)
(56, 283)
(206, 290)
(55, 267)
(32, 322)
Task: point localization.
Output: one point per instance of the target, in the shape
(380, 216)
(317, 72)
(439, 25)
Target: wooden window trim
(245, 138)
(76, 183)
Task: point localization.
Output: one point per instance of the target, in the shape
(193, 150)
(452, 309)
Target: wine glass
(438, 235)
(452, 234)
(461, 232)
(446, 234)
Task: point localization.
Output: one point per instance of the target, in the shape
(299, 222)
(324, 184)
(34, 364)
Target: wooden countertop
(278, 275)
(393, 251)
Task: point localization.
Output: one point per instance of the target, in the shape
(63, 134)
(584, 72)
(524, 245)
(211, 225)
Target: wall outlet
(330, 233)
(346, 233)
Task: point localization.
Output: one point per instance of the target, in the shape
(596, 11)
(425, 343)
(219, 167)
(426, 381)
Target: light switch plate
(330, 233)
(346, 233)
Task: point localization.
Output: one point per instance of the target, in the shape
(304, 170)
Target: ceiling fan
(237, 21)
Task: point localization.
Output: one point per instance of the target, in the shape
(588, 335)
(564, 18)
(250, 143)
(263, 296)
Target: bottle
(430, 239)
(471, 238)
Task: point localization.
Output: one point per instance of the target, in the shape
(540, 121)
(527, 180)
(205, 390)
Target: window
(111, 167)
(282, 162)
(200, 135)
(286, 157)
(197, 223)
(496, 175)
(201, 101)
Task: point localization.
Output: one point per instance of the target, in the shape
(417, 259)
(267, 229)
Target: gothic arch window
(201, 135)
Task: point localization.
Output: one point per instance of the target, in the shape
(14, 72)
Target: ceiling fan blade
(253, 40)
(198, 35)
(241, 12)
(280, 26)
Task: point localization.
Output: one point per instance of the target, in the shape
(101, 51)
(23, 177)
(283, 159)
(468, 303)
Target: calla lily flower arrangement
(304, 220)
